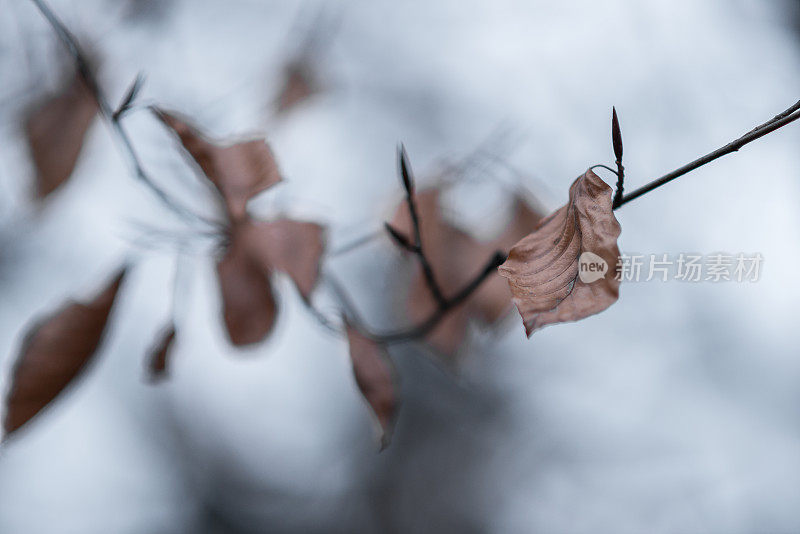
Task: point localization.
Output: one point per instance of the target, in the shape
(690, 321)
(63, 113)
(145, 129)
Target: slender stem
(786, 117)
(616, 142)
(82, 65)
(427, 269)
(422, 328)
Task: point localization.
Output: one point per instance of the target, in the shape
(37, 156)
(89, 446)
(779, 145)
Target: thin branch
(82, 65)
(422, 328)
(616, 142)
(130, 96)
(444, 304)
(408, 185)
(780, 120)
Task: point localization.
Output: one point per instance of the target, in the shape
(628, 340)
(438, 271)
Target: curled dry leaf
(239, 171)
(56, 130)
(565, 269)
(456, 258)
(375, 377)
(159, 356)
(258, 248)
(54, 353)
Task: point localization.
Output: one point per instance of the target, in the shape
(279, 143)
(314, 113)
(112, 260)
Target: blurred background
(676, 410)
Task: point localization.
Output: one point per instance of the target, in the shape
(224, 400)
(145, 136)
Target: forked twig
(444, 304)
(112, 117)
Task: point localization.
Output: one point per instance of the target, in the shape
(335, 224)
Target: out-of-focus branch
(445, 304)
(416, 246)
(113, 118)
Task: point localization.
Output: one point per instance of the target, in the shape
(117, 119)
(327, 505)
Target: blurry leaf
(256, 249)
(565, 269)
(158, 358)
(54, 353)
(375, 378)
(249, 307)
(56, 131)
(293, 247)
(299, 84)
(239, 171)
(456, 259)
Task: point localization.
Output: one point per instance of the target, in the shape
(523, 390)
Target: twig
(444, 304)
(408, 184)
(780, 120)
(82, 65)
(616, 142)
(422, 328)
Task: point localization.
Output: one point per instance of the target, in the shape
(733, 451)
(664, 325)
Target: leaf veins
(544, 270)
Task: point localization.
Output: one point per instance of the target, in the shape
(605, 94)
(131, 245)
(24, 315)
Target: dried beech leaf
(239, 171)
(54, 353)
(249, 308)
(293, 247)
(565, 269)
(375, 378)
(456, 259)
(159, 356)
(56, 131)
(299, 84)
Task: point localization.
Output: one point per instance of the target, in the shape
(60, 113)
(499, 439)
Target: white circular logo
(591, 267)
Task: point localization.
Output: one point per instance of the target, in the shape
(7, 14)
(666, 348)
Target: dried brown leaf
(249, 307)
(239, 171)
(159, 356)
(293, 247)
(54, 353)
(375, 377)
(456, 259)
(565, 269)
(255, 251)
(56, 131)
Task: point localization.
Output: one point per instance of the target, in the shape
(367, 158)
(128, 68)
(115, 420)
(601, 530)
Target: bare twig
(130, 96)
(82, 65)
(444, 304)
(408, 184)
(424, 327)
(786, 117)
(616, 141)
